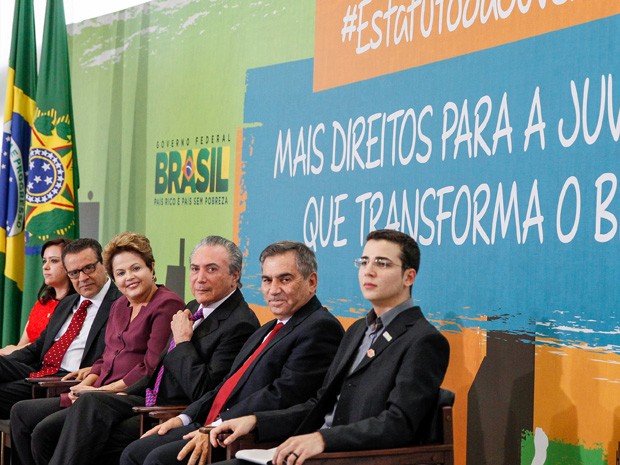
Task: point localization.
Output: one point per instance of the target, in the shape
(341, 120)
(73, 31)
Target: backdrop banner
(489, 131)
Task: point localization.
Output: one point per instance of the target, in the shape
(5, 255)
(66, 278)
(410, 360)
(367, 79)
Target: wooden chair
(5, 441)
(157, 413)
(431, 454)
(41, 388)
(50, 386)
(439, 450)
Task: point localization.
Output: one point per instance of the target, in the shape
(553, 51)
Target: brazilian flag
(18, 117)
(51, 190)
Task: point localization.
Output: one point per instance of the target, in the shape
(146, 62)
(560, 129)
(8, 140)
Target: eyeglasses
(382, 263)
(88, 270)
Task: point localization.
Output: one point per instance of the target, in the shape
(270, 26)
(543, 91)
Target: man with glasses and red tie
(383, 384)
(206, 337)
(74, 337)
(282, 363)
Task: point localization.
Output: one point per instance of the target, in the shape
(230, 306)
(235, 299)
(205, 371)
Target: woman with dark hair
(56, 286)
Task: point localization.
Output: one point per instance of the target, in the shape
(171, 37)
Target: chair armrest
(159, 408)
(244, 442)
(50, 386)
(156, 412)
(431, 454)
(247, 441)
(58, 383)
(164, 415)
(44, 378)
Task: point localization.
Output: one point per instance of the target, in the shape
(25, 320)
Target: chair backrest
(436, 430)
(448, 433)
(438, 448)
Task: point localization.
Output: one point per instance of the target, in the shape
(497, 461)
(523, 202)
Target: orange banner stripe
(358, 40)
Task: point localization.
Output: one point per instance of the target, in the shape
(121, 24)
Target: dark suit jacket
(197, 366)
(386, 401)
(287, 371)
(32, 354)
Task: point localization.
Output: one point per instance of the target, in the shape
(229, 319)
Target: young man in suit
(207, 336)
(384, 381)
(82, 260)
(282, 364)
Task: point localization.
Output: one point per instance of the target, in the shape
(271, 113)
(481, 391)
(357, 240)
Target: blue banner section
(506, 175)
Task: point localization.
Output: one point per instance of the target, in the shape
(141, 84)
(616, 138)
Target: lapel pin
(387, 336)
(371, 353)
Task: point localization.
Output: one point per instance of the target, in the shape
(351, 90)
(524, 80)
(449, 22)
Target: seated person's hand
(182, 326)
(236, 426)
(198, 447)
(77, 375)
(295, 450)
(79, 389)
(72, 396)
(75, 391)
(8, 349)
(164, 427)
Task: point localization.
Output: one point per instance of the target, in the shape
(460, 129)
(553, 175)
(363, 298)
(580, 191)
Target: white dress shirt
(73, 357)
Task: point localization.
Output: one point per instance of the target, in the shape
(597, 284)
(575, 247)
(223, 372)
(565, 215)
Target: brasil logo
(192, 171)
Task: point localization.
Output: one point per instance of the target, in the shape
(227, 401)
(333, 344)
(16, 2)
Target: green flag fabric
(51, 191)
(18, 117)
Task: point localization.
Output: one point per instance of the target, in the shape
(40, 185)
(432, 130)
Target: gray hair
(304, 256)
(235, 257)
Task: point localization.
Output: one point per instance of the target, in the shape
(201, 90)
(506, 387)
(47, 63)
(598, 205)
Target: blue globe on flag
(46, 176)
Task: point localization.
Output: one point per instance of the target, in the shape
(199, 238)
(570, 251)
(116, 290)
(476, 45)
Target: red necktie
(55, 354)
(227, 388)
(150, 398)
